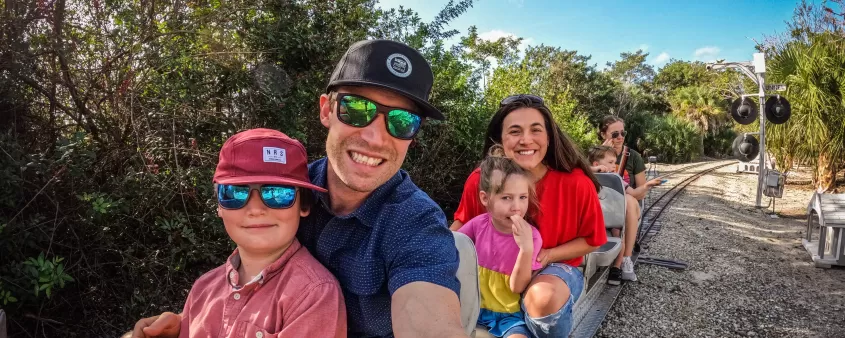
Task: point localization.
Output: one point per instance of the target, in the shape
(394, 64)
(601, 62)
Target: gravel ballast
(748, 274)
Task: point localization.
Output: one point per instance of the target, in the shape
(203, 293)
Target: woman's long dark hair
(561, 155)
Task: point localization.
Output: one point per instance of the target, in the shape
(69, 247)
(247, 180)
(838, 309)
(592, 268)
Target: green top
(634, 166)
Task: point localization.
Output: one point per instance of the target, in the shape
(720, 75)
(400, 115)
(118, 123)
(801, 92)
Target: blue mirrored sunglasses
(233, 197)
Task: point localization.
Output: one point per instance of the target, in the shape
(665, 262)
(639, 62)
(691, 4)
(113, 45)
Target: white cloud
(497, 34)
(708, 53)
(494, 35)
(661, 59)
(643, 47)
(518, 3)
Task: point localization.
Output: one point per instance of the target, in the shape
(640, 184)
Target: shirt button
(237, 296)
(259, 334)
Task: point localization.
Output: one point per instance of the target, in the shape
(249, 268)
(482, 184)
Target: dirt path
(748, 274)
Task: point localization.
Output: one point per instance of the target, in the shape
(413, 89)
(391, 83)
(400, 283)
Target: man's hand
(166, 325)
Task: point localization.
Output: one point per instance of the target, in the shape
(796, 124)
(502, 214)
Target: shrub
(672, 140)
(718, 145)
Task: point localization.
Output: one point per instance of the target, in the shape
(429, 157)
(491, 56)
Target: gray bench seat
(825, 235)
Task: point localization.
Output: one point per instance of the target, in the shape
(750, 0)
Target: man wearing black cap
(383, 238)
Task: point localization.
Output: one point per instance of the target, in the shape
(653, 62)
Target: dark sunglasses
(359, 112)
(532, 98)
(616, 134)
(234, 197)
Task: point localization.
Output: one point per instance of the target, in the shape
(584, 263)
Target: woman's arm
(638, 193)
(575, 248)
(641, 190)
(640, 179)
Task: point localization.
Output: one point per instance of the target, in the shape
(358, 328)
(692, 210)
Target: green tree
(633, 90)
(632, 68)
(484, 53)
(678, 73)
(814, 73)
(701, 106)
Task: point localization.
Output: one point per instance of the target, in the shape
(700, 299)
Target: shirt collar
(266, 274)
(368, 212)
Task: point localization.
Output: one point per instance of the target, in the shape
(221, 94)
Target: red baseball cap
(263, 156)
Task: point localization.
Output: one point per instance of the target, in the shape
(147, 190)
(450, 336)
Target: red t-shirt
(569, 208)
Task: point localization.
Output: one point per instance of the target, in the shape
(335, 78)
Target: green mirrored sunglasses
(359, 112)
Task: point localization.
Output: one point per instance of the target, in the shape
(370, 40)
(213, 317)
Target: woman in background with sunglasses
(612, 132)
(629, 163)
(570, 219)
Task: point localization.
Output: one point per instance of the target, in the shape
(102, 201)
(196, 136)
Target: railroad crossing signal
(746, 148)
(778, 109)
(743, 111)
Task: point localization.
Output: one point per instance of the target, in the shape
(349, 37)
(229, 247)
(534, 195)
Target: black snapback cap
(391, 65)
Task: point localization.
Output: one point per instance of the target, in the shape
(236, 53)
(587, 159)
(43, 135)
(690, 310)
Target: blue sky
(682, 29)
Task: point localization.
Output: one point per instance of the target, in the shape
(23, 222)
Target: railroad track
(655, 207)
(649, 227)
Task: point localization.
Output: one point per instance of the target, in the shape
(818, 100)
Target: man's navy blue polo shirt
(398, 236)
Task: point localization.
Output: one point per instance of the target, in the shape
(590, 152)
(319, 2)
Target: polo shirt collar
(268, 273)
(368, 212)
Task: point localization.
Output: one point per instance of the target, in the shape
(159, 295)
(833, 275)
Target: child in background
(506, 243)
(603, 159)
(602, 164)
(270, 286)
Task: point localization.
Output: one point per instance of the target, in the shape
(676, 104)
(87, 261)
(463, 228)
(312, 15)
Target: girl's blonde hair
(493, 184)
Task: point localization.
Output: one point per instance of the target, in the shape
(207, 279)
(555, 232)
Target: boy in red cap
(270, 286)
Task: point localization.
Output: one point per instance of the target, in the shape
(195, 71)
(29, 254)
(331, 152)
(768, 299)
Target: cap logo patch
(399, 65)
(275, 155)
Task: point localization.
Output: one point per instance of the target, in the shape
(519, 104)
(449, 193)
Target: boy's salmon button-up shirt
(293, 297)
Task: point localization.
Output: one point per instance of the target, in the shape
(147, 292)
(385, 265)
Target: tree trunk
(825, 176)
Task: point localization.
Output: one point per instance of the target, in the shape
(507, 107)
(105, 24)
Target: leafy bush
(102, 239)
(108, 213)
(637, 125)
(672, 140)
(719, 145)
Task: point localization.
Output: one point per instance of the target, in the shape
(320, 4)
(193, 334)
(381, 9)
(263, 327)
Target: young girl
(507, 245)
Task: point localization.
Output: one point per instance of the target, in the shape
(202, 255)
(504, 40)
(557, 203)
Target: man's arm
(422, 309)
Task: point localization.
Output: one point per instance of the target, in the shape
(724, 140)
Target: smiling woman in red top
(570, 220)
